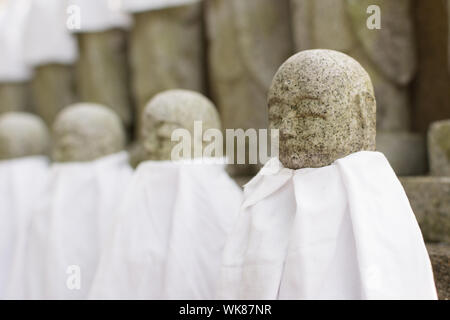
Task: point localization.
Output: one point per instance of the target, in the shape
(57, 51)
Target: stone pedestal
(430, 201)
(439, 148)
(440, 259)
(52, 89)
(166, 52)
(13, 96)
(247, 43)
(102, 71)
(405, 151)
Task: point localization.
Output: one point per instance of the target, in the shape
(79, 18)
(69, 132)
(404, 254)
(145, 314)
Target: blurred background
(120, 53)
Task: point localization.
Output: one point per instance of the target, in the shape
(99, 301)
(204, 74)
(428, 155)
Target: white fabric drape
(69, 229)
(170, 233)
(22, 183)
(344, 231)
(13, 17)
(100, 15)
(47, 39)
(147, 5)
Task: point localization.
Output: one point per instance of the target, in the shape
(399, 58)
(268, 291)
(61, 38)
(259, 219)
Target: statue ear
(366, 111)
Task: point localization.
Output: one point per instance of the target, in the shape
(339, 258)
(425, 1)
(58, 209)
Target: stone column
(102, 71)
(52, 89)
(388, 54)
(439, 148)
(166, 50)
(431, 90)
(247, 42)
(14, 96)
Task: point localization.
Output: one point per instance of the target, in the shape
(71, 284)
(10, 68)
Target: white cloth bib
(148, 5)
(47, 39)
(344, 231)
(69, 229)
(170, 234)
(22, 183)
(13, 18)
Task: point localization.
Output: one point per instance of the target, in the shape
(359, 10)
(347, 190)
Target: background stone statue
(22, 135)
(247, 41)
(323, 103)
(166, 50)
(171, 110)
(102, 67)
(85, 132)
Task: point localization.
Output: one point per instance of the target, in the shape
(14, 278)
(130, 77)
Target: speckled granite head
(85, 132)
(170, 110)
(22, 135)
(323, 103)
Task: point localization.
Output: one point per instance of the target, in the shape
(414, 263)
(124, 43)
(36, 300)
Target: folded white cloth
(68, 229)
(344, 231)
(147, 5)
(22, 183)
(169, 237)
(100, 15)
(47, 39)
(13, 16)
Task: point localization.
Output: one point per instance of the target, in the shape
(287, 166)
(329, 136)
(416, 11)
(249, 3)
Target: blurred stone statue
(311, 222)
(321, 118)
(166, 47)
(51, 50)
(390, 60)
(171, 110)
(85, 132)
(14, 73)
(247, 41)
(102, 68)
(22, 135)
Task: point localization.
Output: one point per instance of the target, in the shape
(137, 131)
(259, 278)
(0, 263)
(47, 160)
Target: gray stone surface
(387, 54)
(170, 110)
(323, 103)
(166, 52)
(439, 148)
(102, 71)
(440, 259)
(85, 132)
(52, 89)
(405, 151)
(21, 135)
(13, 97)
(430, 201)
(247, 42)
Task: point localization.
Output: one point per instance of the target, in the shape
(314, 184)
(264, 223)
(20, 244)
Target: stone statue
(22, 135)
(85, 132)
(171, 110)
(247, 41)
(166, 49)
(323, 103)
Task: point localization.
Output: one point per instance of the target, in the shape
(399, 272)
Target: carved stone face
(171, 110)
(85, 132)
(22, 135)
(323, 103)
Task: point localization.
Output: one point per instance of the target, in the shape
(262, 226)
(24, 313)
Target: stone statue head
(22, 135)
(85, 132)
(170, 110)
(323, 103)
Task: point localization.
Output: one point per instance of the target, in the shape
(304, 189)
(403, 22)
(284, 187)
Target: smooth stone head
(85, 132)
(22, 135)
(323, 103)
(170, 110)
